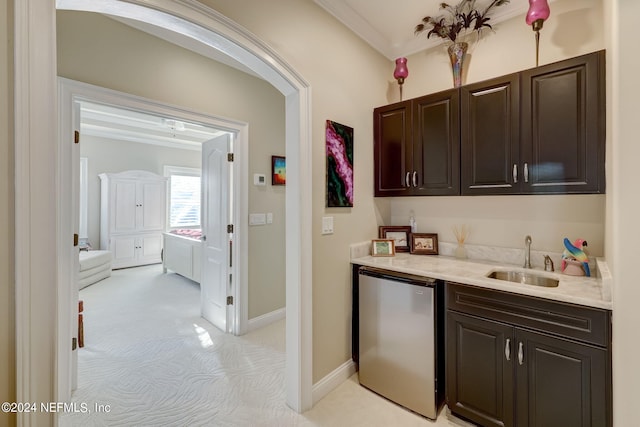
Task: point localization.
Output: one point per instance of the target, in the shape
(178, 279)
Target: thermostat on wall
(259, 179)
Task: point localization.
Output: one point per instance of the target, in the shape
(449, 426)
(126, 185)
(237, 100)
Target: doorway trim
(71, 91)
(37, 178)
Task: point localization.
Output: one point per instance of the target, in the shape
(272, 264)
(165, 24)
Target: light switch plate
(327, 225)
(269, 218)
(257, 219)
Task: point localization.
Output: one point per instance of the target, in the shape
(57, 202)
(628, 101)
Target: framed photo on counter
(424, 244)
(382, 247)
(398, 233)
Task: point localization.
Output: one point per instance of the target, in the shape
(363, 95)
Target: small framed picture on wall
(278, 170)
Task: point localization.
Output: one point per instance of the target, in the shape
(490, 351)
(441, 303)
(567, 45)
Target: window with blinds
(184, 197)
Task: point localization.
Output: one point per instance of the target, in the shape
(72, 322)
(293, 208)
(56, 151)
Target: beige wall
(7, 279)
(504, 221)
(347, 80)
(574, 28)
(100, 51)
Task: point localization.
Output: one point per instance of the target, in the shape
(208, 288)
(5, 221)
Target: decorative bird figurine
(576, 252)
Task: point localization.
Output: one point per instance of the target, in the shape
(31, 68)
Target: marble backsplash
(512, 256)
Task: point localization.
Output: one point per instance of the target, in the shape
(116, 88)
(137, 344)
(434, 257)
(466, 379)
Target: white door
(215, 282)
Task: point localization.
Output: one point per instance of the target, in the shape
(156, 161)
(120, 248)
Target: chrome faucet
(527, 252)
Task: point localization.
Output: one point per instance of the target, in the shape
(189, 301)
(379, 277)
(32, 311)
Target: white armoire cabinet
(132, 217)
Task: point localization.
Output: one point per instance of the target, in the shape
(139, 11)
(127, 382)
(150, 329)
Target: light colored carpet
(153, 361)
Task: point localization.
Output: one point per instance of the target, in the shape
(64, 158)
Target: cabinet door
(436, 144)
(392, 149)
(123, 206)
(152, 198)
(563, 130)
(480, 369)
(124, 251)
(560, 382)
(490, 136)
(149, 248)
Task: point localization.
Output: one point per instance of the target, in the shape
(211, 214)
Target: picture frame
(278, 170)
(398, 233)
(424, 244)
(340, 166)
(383, 247)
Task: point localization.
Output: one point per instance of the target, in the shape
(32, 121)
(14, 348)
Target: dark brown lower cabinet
(503, 371)
(479, 382)
(559, 382)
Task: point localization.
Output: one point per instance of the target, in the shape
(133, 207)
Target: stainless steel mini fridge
(400, 339)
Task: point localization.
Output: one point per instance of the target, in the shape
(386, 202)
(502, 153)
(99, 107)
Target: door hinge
(230, 228)
(74, 343)
(230, 300)
(76, 137)
(230, 157)
(76, 239)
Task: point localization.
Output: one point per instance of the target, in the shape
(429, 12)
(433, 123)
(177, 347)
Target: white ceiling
(388, 25)
(135, 126)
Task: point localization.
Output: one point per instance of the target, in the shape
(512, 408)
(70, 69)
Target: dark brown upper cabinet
(539, 131)
(490, 136)
(417, 146)
(393, 146)
(563, 126)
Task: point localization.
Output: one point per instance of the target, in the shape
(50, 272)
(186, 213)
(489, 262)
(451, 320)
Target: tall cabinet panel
(417, 146)
(563, 123)
(490, 135)
(123, 198)
(436, 144)
(392, 149)
(132, 217)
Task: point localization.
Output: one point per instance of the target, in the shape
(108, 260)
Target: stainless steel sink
(524, 277)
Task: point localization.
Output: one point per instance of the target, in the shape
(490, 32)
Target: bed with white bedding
(94, 266)
(181, 253)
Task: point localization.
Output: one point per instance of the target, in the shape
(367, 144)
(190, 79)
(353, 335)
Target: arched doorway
(39, 179)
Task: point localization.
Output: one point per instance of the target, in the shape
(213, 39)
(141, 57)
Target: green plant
(463, 16)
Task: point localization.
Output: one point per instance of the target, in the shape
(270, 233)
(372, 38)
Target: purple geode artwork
(339, 165)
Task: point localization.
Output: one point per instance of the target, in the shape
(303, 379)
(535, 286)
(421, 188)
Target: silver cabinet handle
(507, 349)
(515, 173)
(415, 178)
(526, 172)
(406, 180)
(520, 353)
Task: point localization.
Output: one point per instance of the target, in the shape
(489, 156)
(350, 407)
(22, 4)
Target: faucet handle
(548, 263)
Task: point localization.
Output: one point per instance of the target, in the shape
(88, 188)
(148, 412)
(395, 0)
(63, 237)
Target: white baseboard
(333, 380)
(265, 319)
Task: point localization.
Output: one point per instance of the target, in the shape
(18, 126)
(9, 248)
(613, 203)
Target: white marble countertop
(587, 291)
